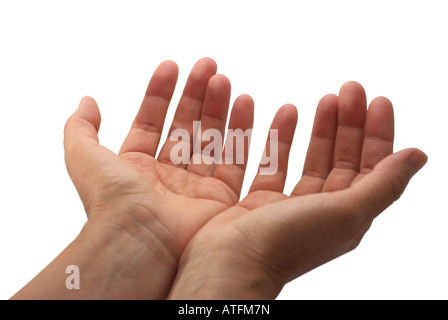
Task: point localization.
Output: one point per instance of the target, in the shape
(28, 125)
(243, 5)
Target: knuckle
(396, 187)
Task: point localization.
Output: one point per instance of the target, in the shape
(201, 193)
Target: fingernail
(417, 161)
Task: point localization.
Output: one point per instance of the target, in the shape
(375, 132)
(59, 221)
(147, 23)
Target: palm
(181, 198)
(346, 144)
(176, 183)
(193, 199)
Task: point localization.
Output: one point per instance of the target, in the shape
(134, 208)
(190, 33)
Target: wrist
(217, 277)
(225, 289)
(115, 259)
(136, 261)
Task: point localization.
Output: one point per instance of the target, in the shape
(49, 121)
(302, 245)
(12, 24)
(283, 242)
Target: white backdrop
(54, 52)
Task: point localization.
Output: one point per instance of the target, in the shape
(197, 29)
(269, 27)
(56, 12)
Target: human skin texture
(350, 176)
(156, 230)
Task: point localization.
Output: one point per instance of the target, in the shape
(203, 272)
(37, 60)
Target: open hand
(159, 206)
(158, 229)
(350, 176)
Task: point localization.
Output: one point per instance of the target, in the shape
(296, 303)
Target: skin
(156, 230)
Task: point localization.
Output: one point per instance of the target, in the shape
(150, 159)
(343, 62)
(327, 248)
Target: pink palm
(350, 176)
(178, 200)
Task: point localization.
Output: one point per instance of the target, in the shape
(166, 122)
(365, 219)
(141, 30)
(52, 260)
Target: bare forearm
(104, 264)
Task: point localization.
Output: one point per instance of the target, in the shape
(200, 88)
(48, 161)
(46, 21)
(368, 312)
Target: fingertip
(89, 111)
(351, 86)
(329, 99)
(382, 103)
(382, 100)
(199, 78)
(88, 106)
(207, 64)
(219, 81)
(207, 60)
(352, 105)
(328, 104)
(288, 111)
(352, 94)
(163, 80)
(169, 64)
(326, 118)
(285, 121)
(380, 122)
(169, 69)
(244, 102)
(417, 160)
(242, 115)
(87, 100)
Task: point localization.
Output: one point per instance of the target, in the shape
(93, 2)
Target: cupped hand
(158, 204)
(268, 239)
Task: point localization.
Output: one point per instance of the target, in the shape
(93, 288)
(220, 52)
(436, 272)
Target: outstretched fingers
(274, 164)
(319, 158)
(343, 146)
(210, 131)
(379, 135)
(147, 127)
(190, 107)
(352, 109)
(236, 151)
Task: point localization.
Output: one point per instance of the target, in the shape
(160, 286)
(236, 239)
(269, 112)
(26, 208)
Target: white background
(54, 52)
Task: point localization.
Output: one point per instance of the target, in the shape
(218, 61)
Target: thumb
(387, 181)
(81, 142)
(82, 127)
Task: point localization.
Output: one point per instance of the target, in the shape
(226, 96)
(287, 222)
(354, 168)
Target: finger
(273, 168)
(233, 167)
(352, 109)
(82, 127)
(190, 107)
(379, 135)
(319, 158)
(145, 132)
(207, 145)
(81, 144)
(387, 181)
